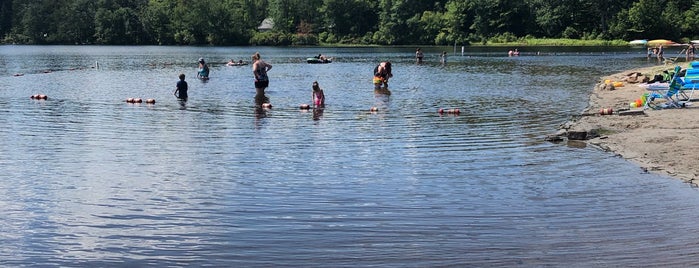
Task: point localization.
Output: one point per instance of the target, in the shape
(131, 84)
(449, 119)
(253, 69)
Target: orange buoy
(455, 111)
(606, 111)
(304, 107)
(374, 109)
(129, 100)
(39, 97)
(137, 100)
(441, 111)
(150, 101)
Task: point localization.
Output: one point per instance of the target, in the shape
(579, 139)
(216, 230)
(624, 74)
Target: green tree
(75, 22)
(433, 25)
(157, 21)
(643, 16)
(497, 16)
(5, 17)
(118, 22)
(289, 14)
(459, 18)
(341, 17)
(689, 24)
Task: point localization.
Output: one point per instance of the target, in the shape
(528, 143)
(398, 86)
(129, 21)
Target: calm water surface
(89, 180)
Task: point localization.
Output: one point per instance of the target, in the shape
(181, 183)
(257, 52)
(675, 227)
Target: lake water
(87, 179)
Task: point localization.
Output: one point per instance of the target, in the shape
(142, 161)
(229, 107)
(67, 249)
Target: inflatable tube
(638, 42)
(317, 61)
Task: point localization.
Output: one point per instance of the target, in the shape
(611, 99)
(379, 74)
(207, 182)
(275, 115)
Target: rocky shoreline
(662, 141)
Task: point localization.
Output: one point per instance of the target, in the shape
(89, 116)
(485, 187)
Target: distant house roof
(266, 25)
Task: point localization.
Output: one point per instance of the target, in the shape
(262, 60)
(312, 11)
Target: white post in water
(462, 51)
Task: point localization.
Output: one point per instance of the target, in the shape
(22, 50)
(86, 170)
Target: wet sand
(662, 141)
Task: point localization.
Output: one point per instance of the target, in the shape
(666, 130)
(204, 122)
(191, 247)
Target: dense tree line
(310, 22)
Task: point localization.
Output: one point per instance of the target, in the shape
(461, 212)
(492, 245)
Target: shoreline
(663, 141)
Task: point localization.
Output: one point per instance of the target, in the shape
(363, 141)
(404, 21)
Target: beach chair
(691, 83)
(670, 94)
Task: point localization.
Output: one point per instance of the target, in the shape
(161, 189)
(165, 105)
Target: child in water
(203, 72)
(318, 97)
(181, 89)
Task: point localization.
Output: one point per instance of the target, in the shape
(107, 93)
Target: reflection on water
(89, 180)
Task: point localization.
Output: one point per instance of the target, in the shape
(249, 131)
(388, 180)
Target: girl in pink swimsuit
(318, 97)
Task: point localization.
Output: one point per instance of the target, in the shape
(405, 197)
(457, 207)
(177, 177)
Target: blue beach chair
(670, 94)
(691, 83)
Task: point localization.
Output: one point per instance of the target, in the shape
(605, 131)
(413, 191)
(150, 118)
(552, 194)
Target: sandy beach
(661, 141)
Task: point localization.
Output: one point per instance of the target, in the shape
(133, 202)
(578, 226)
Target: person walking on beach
(419, 55)
(259, 70)
(660, 52)
(382, 73)
(181, 89)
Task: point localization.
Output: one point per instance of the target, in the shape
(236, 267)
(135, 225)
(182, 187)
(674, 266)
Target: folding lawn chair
(670, 94)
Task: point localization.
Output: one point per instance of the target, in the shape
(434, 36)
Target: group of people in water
(659, 50)
(382, 73)
(419, 56)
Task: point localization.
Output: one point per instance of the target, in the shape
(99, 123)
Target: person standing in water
(259, 70)
(419, 55)
(382, 73)
(317, 96)
(203, 72)
(181, 89)
(443, 57)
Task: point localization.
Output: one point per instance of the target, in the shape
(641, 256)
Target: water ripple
(90, 180)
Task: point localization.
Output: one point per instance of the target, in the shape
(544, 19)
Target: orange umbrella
(658, 42)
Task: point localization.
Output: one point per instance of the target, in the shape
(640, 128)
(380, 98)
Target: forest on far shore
(349, 22)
